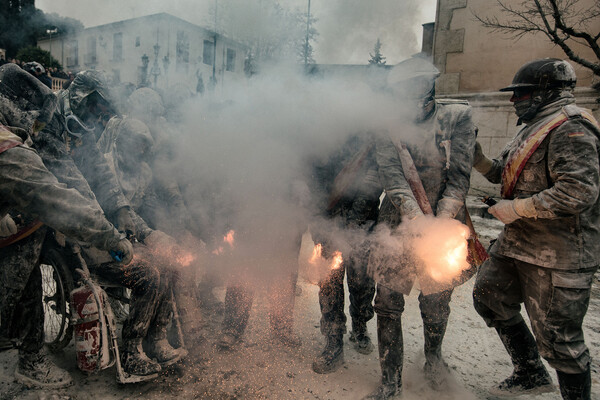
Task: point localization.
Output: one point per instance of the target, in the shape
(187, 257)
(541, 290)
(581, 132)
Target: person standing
(440, 139)
(27, 187)
(345, 194)
(549, 250)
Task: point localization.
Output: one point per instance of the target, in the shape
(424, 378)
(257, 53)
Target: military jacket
(562, 176)
(442, 151)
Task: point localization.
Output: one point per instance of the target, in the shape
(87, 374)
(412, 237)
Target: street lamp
(50, 32)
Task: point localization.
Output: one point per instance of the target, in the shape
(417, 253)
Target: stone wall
(494, 116)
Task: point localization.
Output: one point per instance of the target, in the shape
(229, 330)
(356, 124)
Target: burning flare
(337, 260)
(443, 250)
(317, 258)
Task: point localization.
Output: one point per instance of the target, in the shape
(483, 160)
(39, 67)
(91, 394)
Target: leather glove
(124, 222)
(122, 251)
(7, 226)
(480, 161)
(505, 211)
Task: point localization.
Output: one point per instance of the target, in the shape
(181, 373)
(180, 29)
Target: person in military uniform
(549, 250)
(27, 187)
(69, 150)
(345, 193)
(440, 138)
(127, 145)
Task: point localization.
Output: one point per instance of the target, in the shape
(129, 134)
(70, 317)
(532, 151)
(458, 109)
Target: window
(90, 56)
(72, 54)
(207, 52)
(230, 66)
(118, 46)
(182, 51)
(137, 41)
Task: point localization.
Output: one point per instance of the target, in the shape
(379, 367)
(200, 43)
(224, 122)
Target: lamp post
(144, 69)
(50, 32)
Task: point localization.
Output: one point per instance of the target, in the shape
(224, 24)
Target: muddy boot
(360, 337)
(136, 363)
(435, 368)
(37, 371)
(288, 337)
(227, 341)
(159, 349)
(529, 375)
(332, 356)
(575, 386)
(391, 355)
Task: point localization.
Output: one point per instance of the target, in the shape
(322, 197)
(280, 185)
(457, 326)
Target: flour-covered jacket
(442, 151)
(562, 176)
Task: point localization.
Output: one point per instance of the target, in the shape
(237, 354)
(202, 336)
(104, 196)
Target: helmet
(547, 73)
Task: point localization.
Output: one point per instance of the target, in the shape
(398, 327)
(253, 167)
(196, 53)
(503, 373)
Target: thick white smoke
(253, 151)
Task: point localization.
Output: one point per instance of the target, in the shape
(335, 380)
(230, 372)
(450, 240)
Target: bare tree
(562, 21)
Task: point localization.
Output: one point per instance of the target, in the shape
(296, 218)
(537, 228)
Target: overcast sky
(347, 29)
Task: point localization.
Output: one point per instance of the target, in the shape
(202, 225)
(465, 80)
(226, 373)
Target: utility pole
(214, 71)
(307, 29)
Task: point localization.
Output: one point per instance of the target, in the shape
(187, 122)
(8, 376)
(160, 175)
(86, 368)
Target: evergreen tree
(377, 58)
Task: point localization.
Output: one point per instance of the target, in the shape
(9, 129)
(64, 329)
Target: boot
(391, 354)
(332, 356)
(36, 370)
(159, 349)
(575, 386)
(361, 339)
(435, 368)
(529, 375)
(136, 363)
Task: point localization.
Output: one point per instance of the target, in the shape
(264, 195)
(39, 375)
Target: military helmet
(546, 73)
